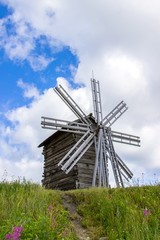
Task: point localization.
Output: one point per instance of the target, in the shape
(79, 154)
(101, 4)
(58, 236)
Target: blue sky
(41, 76)
(43, 43)
(11, 71)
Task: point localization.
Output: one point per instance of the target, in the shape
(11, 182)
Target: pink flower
(8, 236)
(146, 212)
(17, 231)
(16, 235)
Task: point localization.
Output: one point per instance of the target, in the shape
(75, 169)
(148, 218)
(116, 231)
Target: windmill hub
(94, 132)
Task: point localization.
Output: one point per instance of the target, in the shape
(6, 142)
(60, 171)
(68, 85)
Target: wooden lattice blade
(125, 138)
(114, 114)
(96, 96)
(124, 169)
(71, 104)
(76, 152)
(63, 125)
(113, 159)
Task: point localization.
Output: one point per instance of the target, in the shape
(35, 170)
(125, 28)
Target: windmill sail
(98, 134)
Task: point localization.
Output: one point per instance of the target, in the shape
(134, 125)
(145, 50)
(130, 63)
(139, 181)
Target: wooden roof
(50, 138)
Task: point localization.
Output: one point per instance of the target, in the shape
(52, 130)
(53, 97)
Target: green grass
(39, 211)
(117, 214)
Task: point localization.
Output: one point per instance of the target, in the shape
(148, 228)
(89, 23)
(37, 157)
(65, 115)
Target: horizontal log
(62, 182)
(61, 187)
(83, 185)
(54, 168)
(88, 172)
(85, 177)
(61, 177)
(85, 166)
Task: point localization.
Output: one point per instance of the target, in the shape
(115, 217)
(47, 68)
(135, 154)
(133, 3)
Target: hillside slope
(27, 211)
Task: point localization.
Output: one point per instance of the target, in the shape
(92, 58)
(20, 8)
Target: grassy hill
(27, 211)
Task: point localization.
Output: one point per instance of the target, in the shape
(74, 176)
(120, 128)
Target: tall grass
(27, 211)
(118, 214)
(40, 212)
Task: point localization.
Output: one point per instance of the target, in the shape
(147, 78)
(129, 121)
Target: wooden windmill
(94, 132)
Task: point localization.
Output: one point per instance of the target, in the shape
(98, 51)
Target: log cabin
(55, 148)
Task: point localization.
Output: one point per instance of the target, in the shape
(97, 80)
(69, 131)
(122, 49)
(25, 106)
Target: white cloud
(128, 72)
(24, 168)
(18, 41)
(19, 141)
(29, 90)
(17, 48)
(119, 41)
(38, 63)
(18, 38)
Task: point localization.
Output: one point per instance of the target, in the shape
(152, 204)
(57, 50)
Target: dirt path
(75, 218)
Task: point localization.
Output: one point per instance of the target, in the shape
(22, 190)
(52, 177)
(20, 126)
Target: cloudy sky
(45, 42)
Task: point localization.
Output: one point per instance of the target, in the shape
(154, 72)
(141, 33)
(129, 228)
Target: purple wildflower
(146, 212)
(18, 229)
(17, 232)
(8, 236)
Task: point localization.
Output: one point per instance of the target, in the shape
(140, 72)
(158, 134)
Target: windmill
(97, 133)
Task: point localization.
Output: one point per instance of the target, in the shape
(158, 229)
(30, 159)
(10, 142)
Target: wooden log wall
(82, 173)
(53, 176)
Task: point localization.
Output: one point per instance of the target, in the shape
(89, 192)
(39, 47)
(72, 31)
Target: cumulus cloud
(29, 90)
(38, 63)
(19, 140)
(119, 41)
(19, 39)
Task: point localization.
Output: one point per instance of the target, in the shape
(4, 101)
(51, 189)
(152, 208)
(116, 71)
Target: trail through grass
(118, 214)
(28, 211)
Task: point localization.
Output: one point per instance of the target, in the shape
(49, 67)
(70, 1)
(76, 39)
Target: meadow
(28, 211)
(37, 211)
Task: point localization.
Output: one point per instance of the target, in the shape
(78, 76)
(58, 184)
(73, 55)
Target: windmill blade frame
(76, 152)
(125, 138)
(114, 114)
(63, 125)
(93, 132)
(71, 104)
(114, 162)
(96, 97)
(124, 167)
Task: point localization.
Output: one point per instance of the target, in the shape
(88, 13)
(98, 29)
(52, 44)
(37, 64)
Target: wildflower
(17, 232)
(8, 236)
(146, 212)
(18, 229)
(15, 236)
